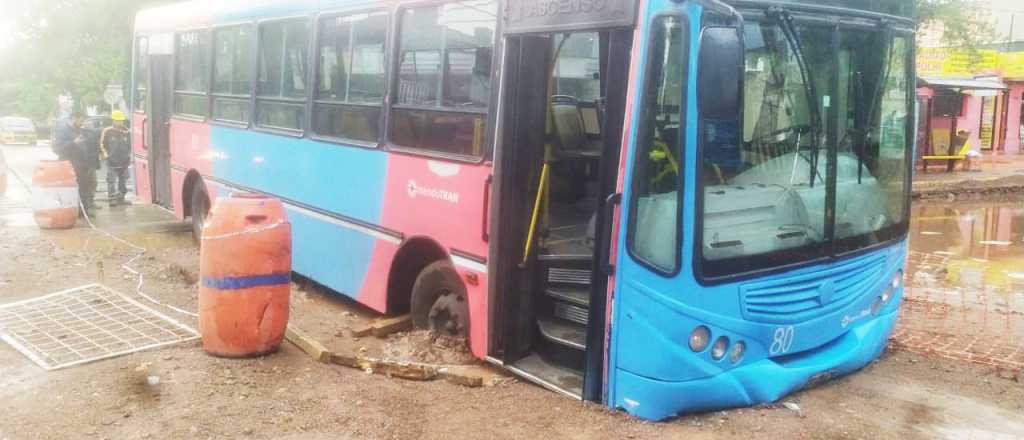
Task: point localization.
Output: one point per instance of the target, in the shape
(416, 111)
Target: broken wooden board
(472, 376)
(383, 327)
(310, 346)
(402, 370)
(465, 375)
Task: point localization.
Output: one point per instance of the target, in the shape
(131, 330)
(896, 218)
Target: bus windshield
(818, 163)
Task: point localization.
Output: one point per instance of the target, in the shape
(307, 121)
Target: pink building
(987, 107)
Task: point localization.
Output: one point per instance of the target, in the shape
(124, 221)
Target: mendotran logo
(433, 193)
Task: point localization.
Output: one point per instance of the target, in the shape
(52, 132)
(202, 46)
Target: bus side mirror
(720, 73)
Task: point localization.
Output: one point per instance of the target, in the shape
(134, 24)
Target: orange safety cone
(55, 195)
(245, 267)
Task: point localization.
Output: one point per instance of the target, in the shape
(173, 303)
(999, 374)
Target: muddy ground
(289, 396)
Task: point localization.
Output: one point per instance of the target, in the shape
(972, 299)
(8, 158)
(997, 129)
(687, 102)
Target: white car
(17, 130)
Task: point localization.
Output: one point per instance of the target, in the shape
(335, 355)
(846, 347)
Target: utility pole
(1009, 38)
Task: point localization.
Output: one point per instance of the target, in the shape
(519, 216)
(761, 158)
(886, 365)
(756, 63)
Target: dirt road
(288, 396)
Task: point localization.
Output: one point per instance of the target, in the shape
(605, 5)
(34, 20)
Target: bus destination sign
(556, 15)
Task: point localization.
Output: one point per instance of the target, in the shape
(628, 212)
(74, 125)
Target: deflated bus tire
(245, 259)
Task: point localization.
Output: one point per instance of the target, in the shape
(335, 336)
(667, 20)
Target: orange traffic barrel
(54, 195)
(245, 267)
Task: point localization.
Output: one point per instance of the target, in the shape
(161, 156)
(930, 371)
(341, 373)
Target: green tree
(78, 46)
(965, 25)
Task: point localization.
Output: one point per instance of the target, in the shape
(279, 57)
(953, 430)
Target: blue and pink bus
(665, 206)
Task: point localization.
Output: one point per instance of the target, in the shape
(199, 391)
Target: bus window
(191, 49)
(577, 71)
(444, 77)
(141, 73)
(350, 80)
(654, 225)
(232, 72)
(281, 96)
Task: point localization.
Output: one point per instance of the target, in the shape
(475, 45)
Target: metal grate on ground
(86, 324)
(979, 324)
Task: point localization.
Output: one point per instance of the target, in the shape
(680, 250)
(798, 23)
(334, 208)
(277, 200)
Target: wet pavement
(142, 224)
(991, 174)
(965, 283)
(961, 331)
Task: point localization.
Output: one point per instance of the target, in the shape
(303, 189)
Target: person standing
(72, 145)
(69, 133)
(115, 147)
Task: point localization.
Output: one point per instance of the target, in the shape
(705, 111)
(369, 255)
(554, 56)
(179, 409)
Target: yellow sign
(954, 63)
(957, 63)
(1012, 64)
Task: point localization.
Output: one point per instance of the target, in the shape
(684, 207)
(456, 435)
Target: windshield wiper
(785, 20)
(876, 99)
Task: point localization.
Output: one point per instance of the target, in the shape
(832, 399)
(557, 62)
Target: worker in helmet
(115, 147)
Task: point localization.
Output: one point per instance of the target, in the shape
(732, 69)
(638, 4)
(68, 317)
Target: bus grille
(809, 295)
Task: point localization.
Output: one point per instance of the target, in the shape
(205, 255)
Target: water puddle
(965, 283)
(973, 246)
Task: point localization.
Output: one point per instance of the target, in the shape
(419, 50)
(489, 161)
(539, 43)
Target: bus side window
(350, 79)
(141, 73)
(190, 84)
(657, 183)
(444, 77)
(283, 63)
(232, 73)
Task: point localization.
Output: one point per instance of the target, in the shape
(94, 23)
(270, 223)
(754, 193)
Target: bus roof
(199, 13)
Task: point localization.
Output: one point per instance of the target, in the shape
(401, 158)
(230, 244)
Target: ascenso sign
(549, 15)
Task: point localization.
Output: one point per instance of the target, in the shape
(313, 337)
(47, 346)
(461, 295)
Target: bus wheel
(200, 207)
(439, 301)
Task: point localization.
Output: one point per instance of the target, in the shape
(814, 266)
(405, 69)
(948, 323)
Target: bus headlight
(699, 339)
(888, 293)
(737, 352)
(894, 285)
(721, 346)
(876, 306)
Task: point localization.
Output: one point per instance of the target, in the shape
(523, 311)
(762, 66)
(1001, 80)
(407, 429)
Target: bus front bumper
(763, 381)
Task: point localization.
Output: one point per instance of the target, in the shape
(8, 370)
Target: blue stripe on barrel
(247, 282)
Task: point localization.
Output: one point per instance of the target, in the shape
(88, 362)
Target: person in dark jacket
(69, 133)
(72, 145)
(115, 147)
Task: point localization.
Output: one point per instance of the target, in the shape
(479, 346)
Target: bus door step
(564, 309)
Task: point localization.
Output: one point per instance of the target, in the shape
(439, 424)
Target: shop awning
(963, 84)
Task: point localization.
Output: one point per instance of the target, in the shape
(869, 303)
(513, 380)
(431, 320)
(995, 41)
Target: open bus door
(560, 127)
(158, 127)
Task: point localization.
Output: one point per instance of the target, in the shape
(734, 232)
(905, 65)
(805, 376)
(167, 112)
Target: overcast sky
(1005, 13)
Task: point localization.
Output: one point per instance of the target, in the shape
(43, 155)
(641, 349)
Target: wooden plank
(465, 375)
(402, 370)
(383, 327)
(306, 343)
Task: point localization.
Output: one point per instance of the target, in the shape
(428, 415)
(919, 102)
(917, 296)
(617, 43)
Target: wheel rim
(449, 316)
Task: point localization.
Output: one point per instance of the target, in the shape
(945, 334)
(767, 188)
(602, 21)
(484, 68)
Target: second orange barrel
(54, 195)
(245, 259)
